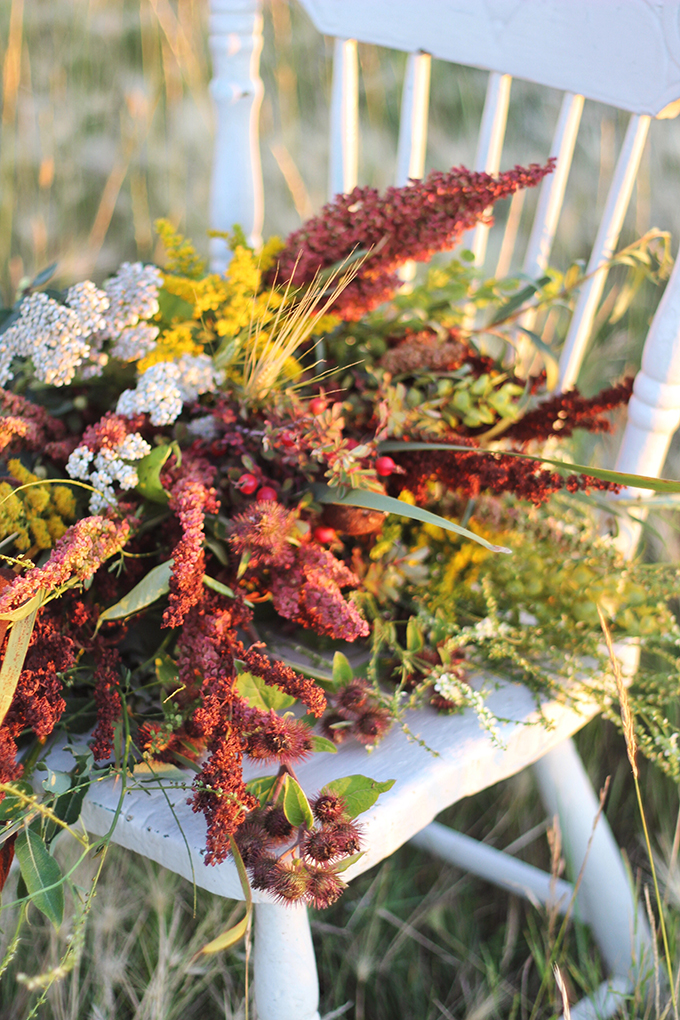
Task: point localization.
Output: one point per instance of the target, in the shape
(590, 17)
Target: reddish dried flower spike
(413, 222)
(324, 887)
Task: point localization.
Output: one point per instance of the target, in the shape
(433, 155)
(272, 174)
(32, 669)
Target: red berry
(287, 440)
(317, 406)
(247, 484)
(384, 466)
(324, 535)
(266, 492)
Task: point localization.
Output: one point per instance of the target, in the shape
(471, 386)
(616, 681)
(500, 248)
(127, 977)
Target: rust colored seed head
(372, 725)
(353, 697)
(348, 837)
(277, 825)
(328, 807)
(290, 881)
(337, 736)
(282, 740)
(252, 842)
(322, 845)
(263, 872)
(324, 887)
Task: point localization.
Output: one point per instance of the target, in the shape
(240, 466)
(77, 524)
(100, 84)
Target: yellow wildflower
(182, 257)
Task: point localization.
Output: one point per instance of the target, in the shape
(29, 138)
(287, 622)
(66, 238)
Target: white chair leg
(286, 983)
(605, 897)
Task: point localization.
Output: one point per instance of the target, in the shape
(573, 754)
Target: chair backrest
(626, 55)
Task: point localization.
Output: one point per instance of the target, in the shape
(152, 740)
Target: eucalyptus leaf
(390, 505)
(323, 744)
(259, 695)
(518, 299)
(261, 788)
(295, 804)
(618, 477)
(56, 782)
(342, 670)
(149, 474)
(359, 792)
(155, 584)
(42, 875)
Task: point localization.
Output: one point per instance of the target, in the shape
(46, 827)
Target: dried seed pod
(353, 520)
(328, 807)
(324, 887)
(276, 824)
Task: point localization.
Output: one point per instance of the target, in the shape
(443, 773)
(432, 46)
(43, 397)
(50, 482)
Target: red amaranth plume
(413, 222)
(276, 674)
(107, 698)
(561, 414)
(471, 474)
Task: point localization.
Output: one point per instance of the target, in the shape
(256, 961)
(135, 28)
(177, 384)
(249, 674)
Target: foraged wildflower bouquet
(298, 450)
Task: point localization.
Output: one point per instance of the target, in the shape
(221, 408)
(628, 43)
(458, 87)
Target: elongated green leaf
(22, 611)
(618, 477)
(15, 653)
(42, 875)
(221, 589)
(414, 636)
(149, 589)
(347, 862)
(261, 788)
(518, 299)
(552, 368)
(228, 938)
(295, 804)
(342, 671)
(259, 695)
(322, 744)
(360, 792)
(149, 474)
(389, 505)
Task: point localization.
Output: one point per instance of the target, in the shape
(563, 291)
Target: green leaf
(518, 299)
(149, 474)
(359, 792)
(56, 782)
(342, 671)
(633, 481)
(389, 505)
(221, 589)
(44, 275)
(148, 591)
(295, 804)
(15, 653)
(261, 788)
(173, 307)
(166, 669)
(228, 938)
(259, 695)
(552, 368)
(348, 862)
(42, 875)
(414, 636)
(322, 744)
(11, 807)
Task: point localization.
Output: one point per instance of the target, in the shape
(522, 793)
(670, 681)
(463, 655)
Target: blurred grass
(106, 124)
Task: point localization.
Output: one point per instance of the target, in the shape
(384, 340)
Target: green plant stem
(662, 923)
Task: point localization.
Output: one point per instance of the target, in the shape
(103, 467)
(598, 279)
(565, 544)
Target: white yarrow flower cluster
(53, 335)
(164, 388)
(108, 466)
(133, 297)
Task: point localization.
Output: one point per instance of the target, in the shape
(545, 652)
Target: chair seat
(465, 761)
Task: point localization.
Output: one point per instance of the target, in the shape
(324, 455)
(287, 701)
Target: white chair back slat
(415, 103)
(489, 148)
(344, 143)
(236, 194)
(605, 243)
(552, 191)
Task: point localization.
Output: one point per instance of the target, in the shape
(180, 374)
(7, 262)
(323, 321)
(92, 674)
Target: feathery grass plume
(628, 722)
(268, 352)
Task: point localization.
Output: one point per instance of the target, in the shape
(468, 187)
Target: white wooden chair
(624, 55)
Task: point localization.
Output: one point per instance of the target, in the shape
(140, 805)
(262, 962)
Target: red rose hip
(247, 484)
(317, 405)
(324, 535)
(384, 466)
(266, 492)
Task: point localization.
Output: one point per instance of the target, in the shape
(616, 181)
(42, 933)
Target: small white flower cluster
(165, 387)
(60, 338)
(460, 693)
(53, 335)
(109, 465)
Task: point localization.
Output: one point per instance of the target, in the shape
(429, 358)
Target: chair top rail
(626, 55)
